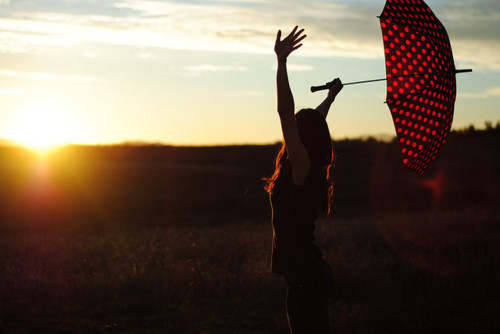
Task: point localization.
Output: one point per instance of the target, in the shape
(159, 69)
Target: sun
(42, 128)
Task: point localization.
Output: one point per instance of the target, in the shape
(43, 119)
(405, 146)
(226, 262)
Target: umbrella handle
(323, 87)
(329, 84)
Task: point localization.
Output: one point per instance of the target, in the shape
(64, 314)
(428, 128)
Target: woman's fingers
(294, 35)
(290, 35)
(298, 34)
(300, 39)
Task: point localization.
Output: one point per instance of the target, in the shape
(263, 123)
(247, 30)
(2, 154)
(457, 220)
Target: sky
(188, 72)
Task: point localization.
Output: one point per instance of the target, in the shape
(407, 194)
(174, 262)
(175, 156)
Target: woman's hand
(284, 47)
(335, 88)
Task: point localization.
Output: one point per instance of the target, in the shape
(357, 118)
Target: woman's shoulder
(286, 182)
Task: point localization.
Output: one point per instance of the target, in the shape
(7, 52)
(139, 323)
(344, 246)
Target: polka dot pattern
(421, 87)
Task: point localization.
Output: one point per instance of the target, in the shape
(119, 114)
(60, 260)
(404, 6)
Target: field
(159, 239)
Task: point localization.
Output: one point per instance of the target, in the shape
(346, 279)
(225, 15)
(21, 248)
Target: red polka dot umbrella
(421, 86)
(420, 72)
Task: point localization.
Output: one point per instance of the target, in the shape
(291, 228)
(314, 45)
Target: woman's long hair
(314, 134)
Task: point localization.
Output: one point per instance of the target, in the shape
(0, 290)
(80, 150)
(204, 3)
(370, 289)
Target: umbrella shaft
(401, 76)
(365, 81)
(328, 85)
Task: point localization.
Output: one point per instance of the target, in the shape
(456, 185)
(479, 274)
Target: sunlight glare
(42, 128)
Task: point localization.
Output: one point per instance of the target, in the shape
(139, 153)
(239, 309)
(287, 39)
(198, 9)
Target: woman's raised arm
(299, 158)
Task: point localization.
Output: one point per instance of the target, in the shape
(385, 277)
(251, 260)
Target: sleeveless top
(294, 211)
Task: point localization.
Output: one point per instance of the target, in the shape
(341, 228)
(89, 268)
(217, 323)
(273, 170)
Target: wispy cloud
(297, 68)
(480, 55)
(225, 26)
(201, 69)
(492, 92)
(335, 28)
(214, 68)
(46, 76)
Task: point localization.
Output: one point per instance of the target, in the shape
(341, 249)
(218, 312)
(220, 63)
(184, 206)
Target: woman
(300, 189)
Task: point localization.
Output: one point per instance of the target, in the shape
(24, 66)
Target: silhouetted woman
(300, 190)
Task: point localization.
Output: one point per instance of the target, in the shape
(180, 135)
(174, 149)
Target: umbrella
(420, 74)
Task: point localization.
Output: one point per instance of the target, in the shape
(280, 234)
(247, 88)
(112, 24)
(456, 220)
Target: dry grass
(216, 280)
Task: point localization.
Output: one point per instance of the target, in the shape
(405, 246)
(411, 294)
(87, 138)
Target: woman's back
(295, 209)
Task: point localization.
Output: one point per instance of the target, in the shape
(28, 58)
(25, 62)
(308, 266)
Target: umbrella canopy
(420, 72)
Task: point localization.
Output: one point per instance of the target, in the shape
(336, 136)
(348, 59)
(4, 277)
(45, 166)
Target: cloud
(242, 1)
(334, 28)
(38, 76)
(224, 26)
(482, 56)
(300, 68)
(297, 68)
(197, 70)
(214, 68)
(492, 92)
(473, 29)
(251, 29)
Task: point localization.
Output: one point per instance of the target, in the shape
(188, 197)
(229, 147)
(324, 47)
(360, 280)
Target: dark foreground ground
(160, 239)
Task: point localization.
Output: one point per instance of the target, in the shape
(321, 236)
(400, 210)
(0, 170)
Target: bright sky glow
(202, 72)
(42, 127)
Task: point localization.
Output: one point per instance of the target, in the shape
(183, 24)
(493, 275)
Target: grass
(150, 239)
(202, 279)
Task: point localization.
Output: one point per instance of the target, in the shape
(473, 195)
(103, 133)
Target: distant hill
(165, 185)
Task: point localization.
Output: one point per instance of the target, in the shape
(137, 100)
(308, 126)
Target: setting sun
(42, 128)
